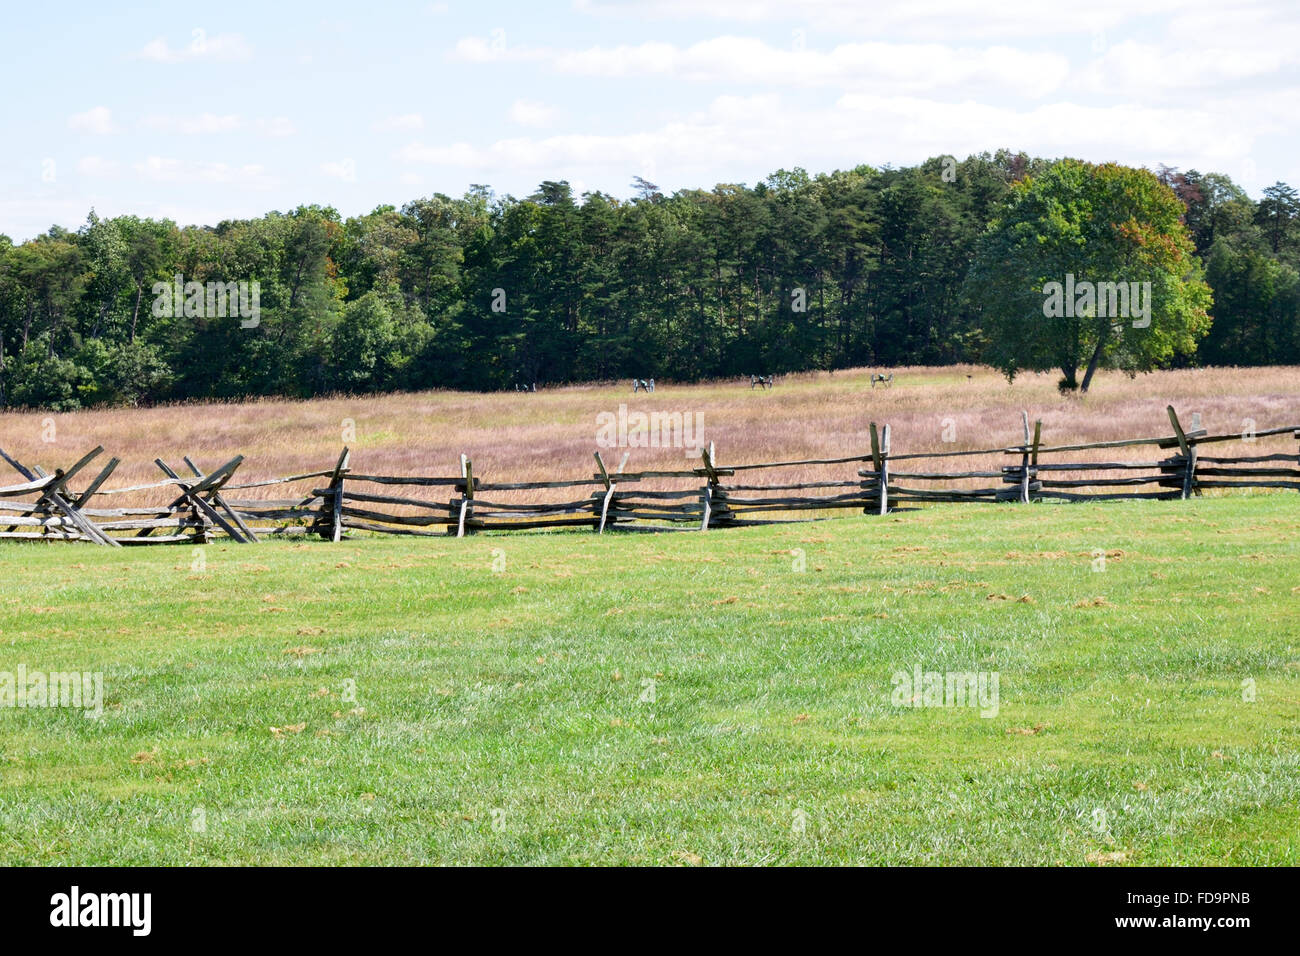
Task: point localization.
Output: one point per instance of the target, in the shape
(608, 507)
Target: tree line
(930, 264)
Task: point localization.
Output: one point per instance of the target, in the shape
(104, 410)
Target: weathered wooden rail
(207, 505)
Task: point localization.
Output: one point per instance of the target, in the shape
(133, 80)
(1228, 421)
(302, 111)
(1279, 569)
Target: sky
(205, 112)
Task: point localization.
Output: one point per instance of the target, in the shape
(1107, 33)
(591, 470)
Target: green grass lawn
(671, 698)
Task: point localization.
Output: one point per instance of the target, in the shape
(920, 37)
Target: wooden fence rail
(44, 507)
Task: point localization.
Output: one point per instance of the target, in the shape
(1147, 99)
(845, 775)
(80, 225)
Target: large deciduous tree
(1044, 272)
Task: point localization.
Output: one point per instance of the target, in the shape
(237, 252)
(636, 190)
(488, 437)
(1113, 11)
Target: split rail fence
(332, 502)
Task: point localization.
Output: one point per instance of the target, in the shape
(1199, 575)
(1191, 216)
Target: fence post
(208, 485)
(52, 493)
(875, 461)
(467, 497)
(46, 502)
(1030, 457)
(880, 458)
(221, 503)
(609, 493)
(884, 465)
(84, 498)
(334, 521)
(706, 496)
(1033, 458)
(1189, 453)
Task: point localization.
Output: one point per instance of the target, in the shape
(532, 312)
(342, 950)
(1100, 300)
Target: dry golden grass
(551, 435)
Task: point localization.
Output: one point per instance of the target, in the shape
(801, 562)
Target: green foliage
(368, 346)
(1257, 306)
(937, 263)
(42, 380)
(123, 373)
(1077, 222)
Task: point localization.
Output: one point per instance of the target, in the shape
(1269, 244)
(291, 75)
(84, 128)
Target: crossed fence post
(1029, 458)
(713, 497)
(467, 495)
(610, 486)
(331, 524)
(880, 459)
(204, 493)
(52, 490)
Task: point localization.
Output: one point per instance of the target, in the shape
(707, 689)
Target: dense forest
(860, 267)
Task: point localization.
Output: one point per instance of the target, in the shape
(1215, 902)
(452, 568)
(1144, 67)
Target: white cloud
(719, 132)
(1126, 133)
(196, 125)
(97, 167)
(895, 67)
(222, 48)
(191, 215)
(1131, 67)
(745, 136)
(276, 127)
(495, 49)
(532, 113)
(161, 169)
(27, 216)
(645, 59)
(1246, 25)
(403, 121)
(203, 124)
(98, 121)
(345, 170)
(917, 18)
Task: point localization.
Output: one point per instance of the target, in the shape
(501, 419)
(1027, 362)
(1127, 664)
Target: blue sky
(203, 112)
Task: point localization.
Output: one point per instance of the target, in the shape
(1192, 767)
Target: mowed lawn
(676, 698)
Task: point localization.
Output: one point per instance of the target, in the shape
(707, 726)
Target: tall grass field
(551, 434)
